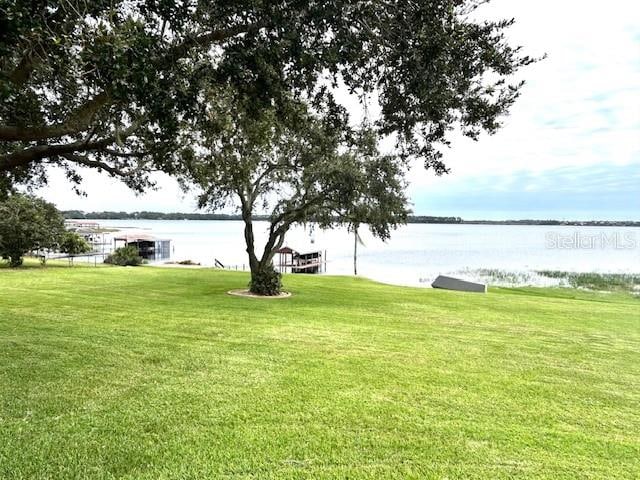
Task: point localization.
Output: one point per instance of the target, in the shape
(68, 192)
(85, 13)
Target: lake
(417, 253)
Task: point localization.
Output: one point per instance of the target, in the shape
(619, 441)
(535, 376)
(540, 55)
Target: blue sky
(570, 147)
(605, 191)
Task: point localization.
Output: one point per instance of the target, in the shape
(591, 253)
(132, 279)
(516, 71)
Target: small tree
(28, 223)
(382, 215)
(382, 204)
(73, 244)
(311, 168)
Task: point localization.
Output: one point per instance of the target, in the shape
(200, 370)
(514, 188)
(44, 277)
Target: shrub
(124, 256)
(266, 281)
(14, 258)
(187, 262)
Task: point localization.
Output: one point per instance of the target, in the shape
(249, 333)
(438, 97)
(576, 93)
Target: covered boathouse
(149, 247)
(290, 261)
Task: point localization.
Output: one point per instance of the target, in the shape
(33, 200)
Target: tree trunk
(355, 250)
(15, 260)
(264, 279)
(249, 240)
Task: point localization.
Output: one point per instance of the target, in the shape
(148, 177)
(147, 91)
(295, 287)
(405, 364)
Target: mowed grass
(150, 373)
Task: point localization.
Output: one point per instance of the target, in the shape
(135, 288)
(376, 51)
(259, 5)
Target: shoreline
(603, 282)
(590, 281)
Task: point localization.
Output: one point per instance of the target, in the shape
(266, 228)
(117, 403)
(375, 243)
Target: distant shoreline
(560, 223)
(80, 215)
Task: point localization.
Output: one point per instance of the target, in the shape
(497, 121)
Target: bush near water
(125, 257)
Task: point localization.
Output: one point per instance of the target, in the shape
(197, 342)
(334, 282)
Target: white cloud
(107, 194)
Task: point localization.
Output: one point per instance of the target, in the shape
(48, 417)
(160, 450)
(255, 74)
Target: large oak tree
(308, 167)
(113, 84)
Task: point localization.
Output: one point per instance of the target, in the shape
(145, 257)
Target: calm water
(416, 254)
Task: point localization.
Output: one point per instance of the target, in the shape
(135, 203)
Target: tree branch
(78, 121)
(87, 162)
(35, 52)
(206, 39)
(288, 217)
(21, 74)
(33, 154)
(115, 153)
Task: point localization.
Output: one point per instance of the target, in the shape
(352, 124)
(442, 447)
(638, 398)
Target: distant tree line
(570, 223)
(428, 219)
(79, 215)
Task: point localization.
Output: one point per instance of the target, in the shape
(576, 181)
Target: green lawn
(149, 373)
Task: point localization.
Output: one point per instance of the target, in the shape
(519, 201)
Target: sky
(569, 149)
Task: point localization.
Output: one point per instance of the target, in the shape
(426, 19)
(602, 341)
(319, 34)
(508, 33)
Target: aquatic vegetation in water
(597, 281)
(505, 278)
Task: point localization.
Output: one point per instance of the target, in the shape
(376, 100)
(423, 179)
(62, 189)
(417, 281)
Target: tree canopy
(114, 85)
